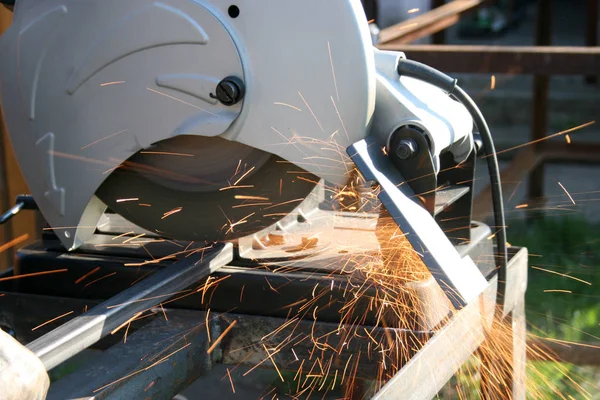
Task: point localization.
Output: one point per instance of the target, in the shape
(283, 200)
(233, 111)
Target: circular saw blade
(205, 189)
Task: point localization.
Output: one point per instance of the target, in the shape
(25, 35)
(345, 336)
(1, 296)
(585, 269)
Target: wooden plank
(25, 223)
(5, 232)
(544, 349)
(524, 161)
(428, 23)
(539, 111)
(574, 153)
(525, 60)
(591, 37)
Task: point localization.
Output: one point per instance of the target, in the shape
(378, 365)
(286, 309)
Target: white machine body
(86, 84)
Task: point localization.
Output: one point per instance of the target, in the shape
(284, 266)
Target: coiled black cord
(434, 77)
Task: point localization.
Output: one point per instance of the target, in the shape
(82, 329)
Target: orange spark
(78, 281)
(283, 203)
(522, 206)
(181, 101)
(493, 82)
(273, 361)
(557, 291)
(563, 275)
(167, 153)
(243, 176)
(242, 197)
(123, 234)
(111, 83)
(104, 138)
(311, 111)
(173, 211)
(118, 328)
(230, 380)
(333, 72)
(52, 320)
(563, 188)
(236, 187)
(163, 311)
(10, 278)
(141, 370)
(133, 238)
(339, 117)
(221, 336)
(149, 386)
(149, 261)
(568, 138)
(286, 105)
(544, 138)
(413, 10)
(99, 279)
(14, 242)
(592, 346)
(251, 205)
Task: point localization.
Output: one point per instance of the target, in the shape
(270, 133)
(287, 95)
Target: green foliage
(568, 246)
(565, 246)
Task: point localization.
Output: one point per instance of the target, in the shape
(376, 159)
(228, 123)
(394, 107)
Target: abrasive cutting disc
(205, 189)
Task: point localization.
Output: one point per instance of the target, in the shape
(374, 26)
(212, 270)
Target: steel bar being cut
(85, 330)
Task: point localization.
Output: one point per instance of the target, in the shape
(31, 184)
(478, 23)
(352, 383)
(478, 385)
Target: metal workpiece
(155, 362)
(85, 330)
(458, 277)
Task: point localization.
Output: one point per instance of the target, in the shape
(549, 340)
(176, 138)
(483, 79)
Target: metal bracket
(458, 277)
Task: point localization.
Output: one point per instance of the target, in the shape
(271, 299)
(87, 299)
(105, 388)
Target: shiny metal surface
(85, 330)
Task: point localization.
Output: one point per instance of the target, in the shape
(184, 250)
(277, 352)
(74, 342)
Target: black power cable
(436, 78)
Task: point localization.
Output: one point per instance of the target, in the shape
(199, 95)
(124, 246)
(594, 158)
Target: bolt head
(406, 149)
(229, 91)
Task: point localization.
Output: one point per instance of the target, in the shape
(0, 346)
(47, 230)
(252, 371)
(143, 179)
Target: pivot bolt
(406, 149)
(229, 91)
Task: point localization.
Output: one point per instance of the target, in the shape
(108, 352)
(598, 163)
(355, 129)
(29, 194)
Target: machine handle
(23, 202)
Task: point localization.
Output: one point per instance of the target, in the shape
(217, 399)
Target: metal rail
(82, 332)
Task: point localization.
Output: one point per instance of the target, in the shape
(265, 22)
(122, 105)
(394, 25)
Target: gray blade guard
(86, 84)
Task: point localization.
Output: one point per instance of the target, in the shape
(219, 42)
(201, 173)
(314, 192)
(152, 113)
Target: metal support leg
(504, 353)
(592, 32)
(504, 358)
(541, 83)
